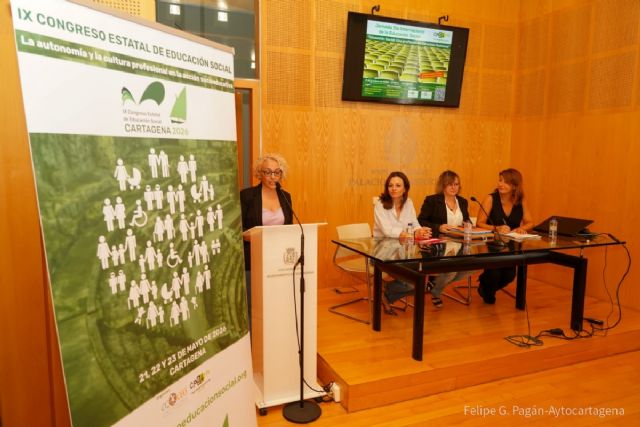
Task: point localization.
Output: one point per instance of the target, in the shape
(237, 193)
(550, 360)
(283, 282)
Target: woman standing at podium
(264, 204)
(507, 213)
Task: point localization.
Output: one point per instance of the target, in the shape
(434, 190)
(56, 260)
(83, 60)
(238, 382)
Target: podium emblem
(290, 256)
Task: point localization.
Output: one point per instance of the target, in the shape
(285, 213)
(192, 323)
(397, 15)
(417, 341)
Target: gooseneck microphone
(280, 192)
(497, 238)
(302, 411)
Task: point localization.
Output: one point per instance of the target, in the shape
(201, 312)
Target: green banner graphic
(143, 243)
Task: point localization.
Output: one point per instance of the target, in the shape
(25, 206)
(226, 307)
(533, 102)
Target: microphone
(497, 238)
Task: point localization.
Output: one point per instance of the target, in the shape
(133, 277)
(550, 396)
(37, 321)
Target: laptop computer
(566, 226)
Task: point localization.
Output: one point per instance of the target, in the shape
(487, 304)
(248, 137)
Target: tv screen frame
(410, 58)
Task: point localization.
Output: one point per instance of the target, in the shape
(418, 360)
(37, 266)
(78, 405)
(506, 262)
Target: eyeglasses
(276, 173)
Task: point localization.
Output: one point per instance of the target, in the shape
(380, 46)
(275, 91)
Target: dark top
(251, 204)
(434, 212)
(497, 216)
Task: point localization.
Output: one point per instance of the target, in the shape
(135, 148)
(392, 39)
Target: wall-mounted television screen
(403, 62)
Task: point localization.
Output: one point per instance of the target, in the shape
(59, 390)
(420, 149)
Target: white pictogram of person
(150, 255)
(199, 283)
(184, 309)
(174, 320)
(154, 162)
(142, 263)
(154, 290)
(186, 280)
(219, 215)
(109, 214)
(145, 288)
(207, 277)
(171, 199)
(158, 195)
(134, 295)
(140, 315)
(211, 218)
(121, 252)
(166, 293)
(190, 259)
(183, 170)
(196, 252)
(215, 247)
(180, 198)
(121, 175)
(120, 213)
(159, 258)
(122, 281)
(103, 252)
(204, 252)
(193, 167)
(113, 283)
(211, 192)
(192, 229)
(130, 244)
(183, 227)
(176, 285)
(161, 314)
(173, 259)
(168, 227)
(152, 315)
(139, 217)
(149, 197)
(115, 256)
(158, 230)
(199, 223)
(204, 188)
(164, 163)
(194, 303)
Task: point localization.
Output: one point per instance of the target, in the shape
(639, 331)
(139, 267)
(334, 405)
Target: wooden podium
(274, 342)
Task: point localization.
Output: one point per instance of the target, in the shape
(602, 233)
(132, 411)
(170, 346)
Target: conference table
(413, 262)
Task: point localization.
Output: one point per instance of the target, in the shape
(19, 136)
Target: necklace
(451, 204)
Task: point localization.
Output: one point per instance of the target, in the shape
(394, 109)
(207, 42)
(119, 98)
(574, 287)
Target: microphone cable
(300, 261)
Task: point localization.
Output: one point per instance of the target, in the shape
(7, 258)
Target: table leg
(577, 299)
(377, 297)
(521, 287)
(418, 318)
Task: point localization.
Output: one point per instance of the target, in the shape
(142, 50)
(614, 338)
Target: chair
(462, 299)
(354, 264)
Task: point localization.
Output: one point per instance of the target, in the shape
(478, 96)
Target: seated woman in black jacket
(441, 211)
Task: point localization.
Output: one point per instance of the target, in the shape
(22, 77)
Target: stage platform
(463, 345)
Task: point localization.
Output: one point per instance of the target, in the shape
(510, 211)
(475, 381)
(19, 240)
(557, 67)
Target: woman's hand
(520, 230)
(423, 233)
(444, 228)
(503, 229)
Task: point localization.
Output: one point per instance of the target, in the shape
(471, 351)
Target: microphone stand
(302, 411)
(497, 238)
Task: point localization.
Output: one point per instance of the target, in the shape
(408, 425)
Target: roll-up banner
(132, 136)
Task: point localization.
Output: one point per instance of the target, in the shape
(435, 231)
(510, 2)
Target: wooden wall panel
(579, 156)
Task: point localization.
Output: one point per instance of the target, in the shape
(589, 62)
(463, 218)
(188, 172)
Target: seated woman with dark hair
(440, 212)
(507, 212)
(393, 213)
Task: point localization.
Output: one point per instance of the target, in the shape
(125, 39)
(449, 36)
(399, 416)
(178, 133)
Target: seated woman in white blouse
(393, 213)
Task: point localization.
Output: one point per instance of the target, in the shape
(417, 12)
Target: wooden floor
(468, 365)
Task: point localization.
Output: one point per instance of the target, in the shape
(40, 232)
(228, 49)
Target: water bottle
(409, 231)
(553, 230)
(468, 229)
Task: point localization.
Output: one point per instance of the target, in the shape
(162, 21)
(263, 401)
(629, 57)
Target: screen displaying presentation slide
(403, 61)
